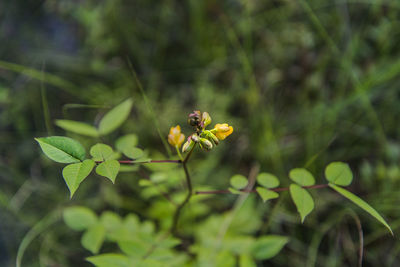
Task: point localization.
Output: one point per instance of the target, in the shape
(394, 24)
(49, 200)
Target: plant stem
(279, 189)
(178, 211)
(150, 161)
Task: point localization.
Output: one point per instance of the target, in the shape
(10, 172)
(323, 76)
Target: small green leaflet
(267, 180)
(110, 260)
(238, 181)
(62, 149)
(129, 140)
(93, 238)
(115, 117)
(302, 177)
(101, 152)
(79, 218)
(302, 199)
(266, 194)
(133, 152)
(339, 173)
(109, 169)
(75, 173)
(268, 246)
(78, 127)
(362, 204)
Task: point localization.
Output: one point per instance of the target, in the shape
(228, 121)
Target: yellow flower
(222, 130)
(175, 137)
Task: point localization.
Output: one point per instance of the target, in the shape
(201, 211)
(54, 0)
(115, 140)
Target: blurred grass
(303, 83)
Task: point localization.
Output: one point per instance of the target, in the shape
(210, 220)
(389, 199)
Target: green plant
(141, 243)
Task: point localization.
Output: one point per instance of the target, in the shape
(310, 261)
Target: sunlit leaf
(78, 127)
(75, 173)
(267, 180)
(62, 149)
(101, 152)
(269, 246)
(93, 238)
(115, 117)
(302, 177)
(239, 181)
(339, 173)
(302, 199)
(79, 218)
(109, 169)
(362, 204)
(266, 194)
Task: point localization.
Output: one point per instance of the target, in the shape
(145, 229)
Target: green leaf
(62, 149)
(110, 221)
(129, 140)
(238, 181)
(109, 169)
(101, 152)
(267, 180)
(79, 218)
(74, 174)
(302, 199)
(266, 194)
(115, 117)
(362, 204)
(269, 246)
(78, 127)
(133, 152)
(339, 173)
(93, 238)
(246, 260)
(302, 177)
(110, 260)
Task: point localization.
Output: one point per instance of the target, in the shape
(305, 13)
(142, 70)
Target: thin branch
(279, 189)
(144, 162)
(178, 211)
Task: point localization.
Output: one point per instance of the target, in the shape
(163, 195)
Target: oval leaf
(339, 173)
(269, 246)
(302, 177)
(62, 149)
(266, 194)
(110, 260)
(93, 238)
(129, 140)
(238, 181)
(75, 173)
(115, 117)
(362, 204)
(77, 127)
(302, 199)
(79, 218)
(267, 180)
(109, 169)
(133, 152)
(101, 152)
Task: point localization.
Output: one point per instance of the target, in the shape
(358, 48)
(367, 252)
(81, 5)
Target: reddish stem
(151, 161)
(279, 189)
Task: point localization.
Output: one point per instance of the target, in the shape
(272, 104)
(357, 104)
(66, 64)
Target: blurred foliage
(303, 83)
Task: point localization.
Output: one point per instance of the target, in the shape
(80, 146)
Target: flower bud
(210, 136)
(205, 144)
(194, 118)
(195, 138)
(205, 119)
(188, 145)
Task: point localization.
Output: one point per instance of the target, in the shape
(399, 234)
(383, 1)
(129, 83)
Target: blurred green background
(302, 82)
